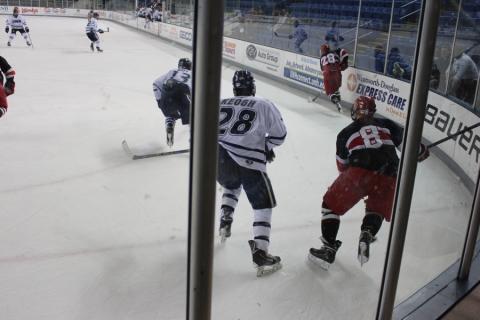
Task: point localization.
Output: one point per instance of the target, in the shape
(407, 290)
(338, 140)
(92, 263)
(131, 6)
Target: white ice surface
(87, 233)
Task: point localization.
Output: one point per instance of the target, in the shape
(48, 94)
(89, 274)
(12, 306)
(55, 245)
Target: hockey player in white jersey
(92, 30)
(172, 92)
(249, 129)
(16, 23)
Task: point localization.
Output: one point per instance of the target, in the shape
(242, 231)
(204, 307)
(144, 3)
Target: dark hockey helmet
(363, 108)
(95, 15)
(16, 11)
(243, 83)
(324, 49)
(185, 63)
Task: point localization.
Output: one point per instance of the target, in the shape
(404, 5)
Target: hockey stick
(453, 135)
(280, 35)
(313, 99)
(127, 149)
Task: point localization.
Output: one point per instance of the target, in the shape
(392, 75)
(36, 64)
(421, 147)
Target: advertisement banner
(391, 95)
(263, 58)
(303, 70)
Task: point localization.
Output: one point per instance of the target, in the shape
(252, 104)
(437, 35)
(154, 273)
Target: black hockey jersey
(370, 146)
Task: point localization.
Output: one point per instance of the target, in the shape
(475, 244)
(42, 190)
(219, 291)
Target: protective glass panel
(463, 71)
(296, 26)
(372, 35)
(443, 46)
(89, 232)
(403, 37)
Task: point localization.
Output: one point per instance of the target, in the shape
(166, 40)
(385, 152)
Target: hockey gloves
(9, 86)
(423, 153)
(27, 30)
(6, 29)
(100, 31)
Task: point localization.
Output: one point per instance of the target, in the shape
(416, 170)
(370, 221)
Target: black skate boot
(324, 256)
(226, 220)
(99, 50)
(91, 47)
(9, 44)
(366, 238)
(335, 98)
(264, 262)
(170, 128)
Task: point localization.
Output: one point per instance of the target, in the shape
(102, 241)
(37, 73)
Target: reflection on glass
(372, 36)
(443, 45)
(463, 72)
(403, 38)
(294, 26)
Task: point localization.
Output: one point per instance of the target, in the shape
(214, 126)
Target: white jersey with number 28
(247, 126)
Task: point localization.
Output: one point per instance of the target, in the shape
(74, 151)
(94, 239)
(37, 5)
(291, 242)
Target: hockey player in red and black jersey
(368, 163)
(9, 87)
(332, 63)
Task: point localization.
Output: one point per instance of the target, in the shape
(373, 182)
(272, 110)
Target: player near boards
(368, 164)
(173, 94)
(332, 63)
(92, 30)
(9, 87)
(249, 129)
(16, 23)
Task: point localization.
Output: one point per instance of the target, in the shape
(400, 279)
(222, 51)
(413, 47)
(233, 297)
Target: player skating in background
(332, 63)
(9, 87)
(249, 129)
(368, 164)
(172, 92)
(16, 23)
(93, 30)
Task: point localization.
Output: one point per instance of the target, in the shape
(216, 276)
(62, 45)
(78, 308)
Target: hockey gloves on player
(27, 30)
(423, 153)
(9, 86)
(6, 29)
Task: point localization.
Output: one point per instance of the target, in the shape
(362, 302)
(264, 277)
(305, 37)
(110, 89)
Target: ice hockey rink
(88, 233)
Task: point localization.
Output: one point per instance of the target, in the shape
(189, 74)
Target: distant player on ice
(173, 94)
(93, 30)
(332, 63)
(9, 87)
(368, 164)
(16, 23)
(249, 129)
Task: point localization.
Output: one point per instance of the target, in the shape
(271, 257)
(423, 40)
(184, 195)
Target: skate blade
(319, 262)
(362, 253)
(339, 108)
(266, 270)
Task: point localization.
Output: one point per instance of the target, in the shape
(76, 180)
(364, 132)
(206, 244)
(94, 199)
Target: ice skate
(91, 47)
(9, 44)
(226, 220)
(29, 43)
(325, 256)
(99, 50)
(170, 129)
(364, 246)
(264, 262)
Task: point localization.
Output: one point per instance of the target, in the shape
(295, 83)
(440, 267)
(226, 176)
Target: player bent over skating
(9, 87)
(249, 129)
(172, 92)
(16, 23)
(368, 163)
(332, 63)
(92, 31)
